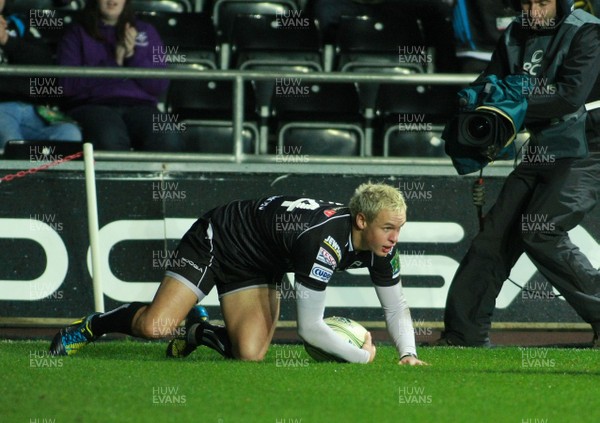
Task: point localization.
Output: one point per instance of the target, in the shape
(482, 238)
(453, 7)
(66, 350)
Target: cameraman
(557, 180)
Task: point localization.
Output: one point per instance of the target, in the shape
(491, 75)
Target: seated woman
(116, 113)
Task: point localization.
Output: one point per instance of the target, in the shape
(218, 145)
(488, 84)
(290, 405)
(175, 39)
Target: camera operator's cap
(564, 6)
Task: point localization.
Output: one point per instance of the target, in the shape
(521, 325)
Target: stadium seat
(411, 118)
(206, 108)
(437, 102)
(263, 42)
(189, 38)
(175, 6)
(24, 6)
(216, 137)
(414, 143)
(320, 139)
(366, 42)
(435, 19)
(225, 11)
(320, 118)
(382, 44)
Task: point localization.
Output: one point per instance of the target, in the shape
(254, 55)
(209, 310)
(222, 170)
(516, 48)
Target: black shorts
(198, 264)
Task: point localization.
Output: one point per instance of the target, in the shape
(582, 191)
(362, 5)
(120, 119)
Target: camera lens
(479, 127)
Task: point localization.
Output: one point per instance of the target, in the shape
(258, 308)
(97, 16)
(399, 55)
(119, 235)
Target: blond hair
(369, 199)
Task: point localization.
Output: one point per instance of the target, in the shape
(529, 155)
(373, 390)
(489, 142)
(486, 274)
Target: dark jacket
(562, 62)
(22, 48)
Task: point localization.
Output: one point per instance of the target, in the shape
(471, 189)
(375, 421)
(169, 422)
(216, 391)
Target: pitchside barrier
(146, 201)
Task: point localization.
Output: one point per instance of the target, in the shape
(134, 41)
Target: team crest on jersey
(324, 257)
(301, 203)
(320, 273)
(141, 39)
(329, 212)
(395, 262)
(332, 243)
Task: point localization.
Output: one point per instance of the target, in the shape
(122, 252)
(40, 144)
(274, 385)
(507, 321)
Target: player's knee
(251, 352)
(152, 327)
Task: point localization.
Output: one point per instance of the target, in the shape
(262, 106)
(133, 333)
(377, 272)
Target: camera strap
(479, 198)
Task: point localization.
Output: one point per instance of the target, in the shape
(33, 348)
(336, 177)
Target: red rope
(45, 166)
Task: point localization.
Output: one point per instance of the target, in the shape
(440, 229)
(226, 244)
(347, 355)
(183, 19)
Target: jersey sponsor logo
(324, 257)
(395, 262)
(300, 203)
(320, 273)
(329, 212)
(332, 243)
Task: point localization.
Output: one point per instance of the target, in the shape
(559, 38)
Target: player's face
(540, 13)
(381, 235)
(110, 10)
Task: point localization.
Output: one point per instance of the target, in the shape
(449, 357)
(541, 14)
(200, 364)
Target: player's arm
(385, 274)
(313, 330)
(316, 255)
(399, 322)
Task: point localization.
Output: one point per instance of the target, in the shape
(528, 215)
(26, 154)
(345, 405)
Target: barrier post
(92, 206)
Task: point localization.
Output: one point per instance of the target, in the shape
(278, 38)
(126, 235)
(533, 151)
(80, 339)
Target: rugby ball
(347, 329)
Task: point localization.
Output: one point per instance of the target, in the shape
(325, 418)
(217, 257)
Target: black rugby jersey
(281, 234)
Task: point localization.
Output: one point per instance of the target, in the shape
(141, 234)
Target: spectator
(24, 110)
(478, 24)
(116, 113)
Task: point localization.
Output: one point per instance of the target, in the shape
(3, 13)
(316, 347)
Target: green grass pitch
(130, 381)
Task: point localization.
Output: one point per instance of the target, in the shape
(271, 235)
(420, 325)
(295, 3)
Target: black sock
(117, 320)
(214, 337)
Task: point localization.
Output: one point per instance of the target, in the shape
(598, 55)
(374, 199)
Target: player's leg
(250, 315)
(170, 305)
(159, 319)
(250, 318)
(186, 282)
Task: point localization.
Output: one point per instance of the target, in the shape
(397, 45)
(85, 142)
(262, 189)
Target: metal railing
(238, 77)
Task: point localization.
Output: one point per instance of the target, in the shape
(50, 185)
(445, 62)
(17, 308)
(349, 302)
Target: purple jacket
(78, 48)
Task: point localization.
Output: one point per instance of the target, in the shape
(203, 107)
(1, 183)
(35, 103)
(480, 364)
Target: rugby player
(242, 250)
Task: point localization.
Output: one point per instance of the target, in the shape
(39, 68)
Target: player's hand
(368, 346)
(412, 361)
(3, 31)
